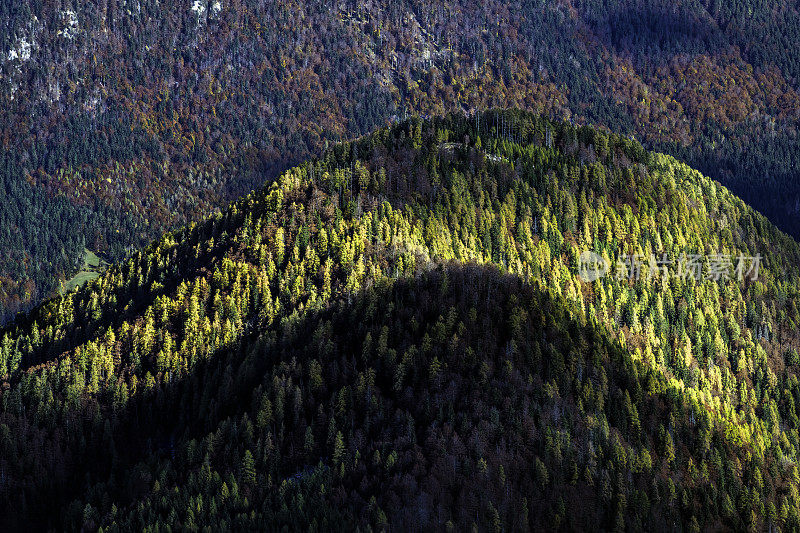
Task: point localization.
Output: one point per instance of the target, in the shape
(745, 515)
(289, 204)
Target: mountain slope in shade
(461, 397)
(397, 334)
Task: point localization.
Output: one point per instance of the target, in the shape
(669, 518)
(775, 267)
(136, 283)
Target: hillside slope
(123, 118)
(397, 333)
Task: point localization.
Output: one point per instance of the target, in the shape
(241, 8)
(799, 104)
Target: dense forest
(122, 118)
(396, 335)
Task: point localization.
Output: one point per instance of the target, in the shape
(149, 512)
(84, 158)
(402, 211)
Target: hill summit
(401, 335)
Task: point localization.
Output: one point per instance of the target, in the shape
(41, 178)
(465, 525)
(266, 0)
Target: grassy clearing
(93, 266)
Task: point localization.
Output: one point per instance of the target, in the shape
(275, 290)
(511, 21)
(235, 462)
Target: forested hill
(396, 335)
(125, 117)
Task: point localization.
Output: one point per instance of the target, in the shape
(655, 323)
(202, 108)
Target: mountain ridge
(243, 304)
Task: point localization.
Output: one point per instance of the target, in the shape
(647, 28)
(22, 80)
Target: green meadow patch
(93, 266)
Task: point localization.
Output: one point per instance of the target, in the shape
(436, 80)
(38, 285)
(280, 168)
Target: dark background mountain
(123, 118)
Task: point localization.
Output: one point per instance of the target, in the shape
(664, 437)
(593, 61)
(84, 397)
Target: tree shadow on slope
(461, 397)
(651, 30)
